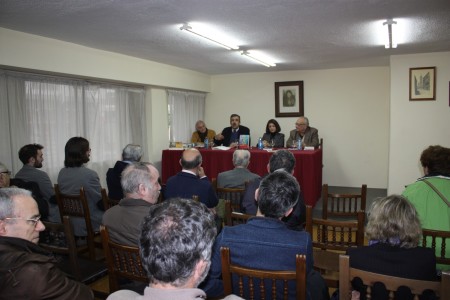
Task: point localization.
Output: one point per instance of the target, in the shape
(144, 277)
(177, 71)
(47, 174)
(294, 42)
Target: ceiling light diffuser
(218, 41)
(389, 41)
(258, 59)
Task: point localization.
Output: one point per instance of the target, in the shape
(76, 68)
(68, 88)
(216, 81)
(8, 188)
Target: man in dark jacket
(26, 270)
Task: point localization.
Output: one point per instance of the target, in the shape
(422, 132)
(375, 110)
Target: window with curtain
(49, 110)
(185, 108)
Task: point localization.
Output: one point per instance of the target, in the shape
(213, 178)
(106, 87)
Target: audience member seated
(265, 242)
(75, 175)
(32, 157)
(33, 187)
(27, 271)
(175, 247)
(191, 180)
(433, 208)
(394, 233)
(308, 135)
(230, 135)
(201, 132)
(273, 138)
(131, 153)
(141, 188)
(280, 160)
(237, 177)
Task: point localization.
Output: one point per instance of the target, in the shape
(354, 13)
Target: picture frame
(422, 84)
(289, 99)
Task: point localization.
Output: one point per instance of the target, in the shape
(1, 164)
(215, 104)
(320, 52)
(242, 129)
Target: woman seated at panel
(430, 194)
(394, 233)
(273, 138)
(75, 175)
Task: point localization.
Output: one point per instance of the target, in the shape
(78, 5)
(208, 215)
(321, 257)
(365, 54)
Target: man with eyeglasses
(308, 135)
(26, 270)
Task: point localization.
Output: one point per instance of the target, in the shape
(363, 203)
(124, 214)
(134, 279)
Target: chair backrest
(392, 283)
(77, 206)
(261, 277)
(233, 194)
(108, 202)
(232, 217)
(343, 205)
(440, 242)
(214, 184)
(330, 238)
(123, 262)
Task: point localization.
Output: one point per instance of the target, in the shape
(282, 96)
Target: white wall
(416, 124)
(350, 107)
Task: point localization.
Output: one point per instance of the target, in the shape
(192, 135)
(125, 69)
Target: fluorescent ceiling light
(258, 58)
(225, 44)
(389, 41)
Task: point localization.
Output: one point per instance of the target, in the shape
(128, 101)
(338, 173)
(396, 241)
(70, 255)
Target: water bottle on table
(260, 144)
(299, 144)
(206, 143)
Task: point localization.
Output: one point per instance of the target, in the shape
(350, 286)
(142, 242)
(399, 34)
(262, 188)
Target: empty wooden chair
(232, 217)
(76, 206)
(343, 205)
(440, 242)
(123, 262)
(392, 283)
(330, 238)
(257, 279)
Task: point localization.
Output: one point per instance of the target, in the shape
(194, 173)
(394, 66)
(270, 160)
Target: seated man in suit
(201, 132)
(141, 188)
(191, 180)
(28, 271)
(237, 177)
(131, 153)
(308, 135)
(265, 242)
(230, 135)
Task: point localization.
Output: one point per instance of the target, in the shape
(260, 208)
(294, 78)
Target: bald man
(308, 135)
(191, 180)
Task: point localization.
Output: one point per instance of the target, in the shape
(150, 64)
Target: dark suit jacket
(33, 187)
(113, 177)
(185, 185)
(226, 132)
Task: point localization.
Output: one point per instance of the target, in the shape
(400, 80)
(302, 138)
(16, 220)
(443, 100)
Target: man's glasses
(6, 172)
(33, 220)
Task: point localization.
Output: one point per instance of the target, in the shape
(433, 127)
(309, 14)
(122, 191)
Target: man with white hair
(237, 177)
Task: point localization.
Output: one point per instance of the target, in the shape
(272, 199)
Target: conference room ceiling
(296, 34)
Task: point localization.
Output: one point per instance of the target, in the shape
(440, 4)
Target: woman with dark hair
(75, 175)
(273, 138)
(430, 194)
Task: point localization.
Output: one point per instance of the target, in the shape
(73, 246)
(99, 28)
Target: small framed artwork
(422, 84)
(289, 99)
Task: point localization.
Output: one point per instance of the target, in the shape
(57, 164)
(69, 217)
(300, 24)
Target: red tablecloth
(308, 167)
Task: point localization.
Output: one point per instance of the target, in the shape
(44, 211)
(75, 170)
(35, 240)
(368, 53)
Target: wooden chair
(233, 194)
(214, 184)
(108, 202)
(76, 206)
(440, 242)
(232, 217)
(330, 238)
(123, 262)
(346, 274)
(259, 279)
(343, 205)
(58, 238)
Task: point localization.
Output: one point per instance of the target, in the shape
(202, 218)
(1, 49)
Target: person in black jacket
(230, 135)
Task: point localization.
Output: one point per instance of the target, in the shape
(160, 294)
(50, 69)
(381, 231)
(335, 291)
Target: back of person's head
(76, 152)
(134, 175)
(437, 160)
(241, 158)
(282, 159)
(7, 205)
(274, 122)
(278, 192)
(394, 220)
(29, 151)
(190, 159)
(132, 152)
(175, 236)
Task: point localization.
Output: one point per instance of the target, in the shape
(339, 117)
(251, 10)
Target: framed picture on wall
(289, 99)
(422, 84)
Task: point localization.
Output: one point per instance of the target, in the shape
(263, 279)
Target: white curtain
(185, 108)
(49, 110)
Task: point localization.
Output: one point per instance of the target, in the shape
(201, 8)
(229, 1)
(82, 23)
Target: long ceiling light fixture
(225, 44)
(390, 42)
